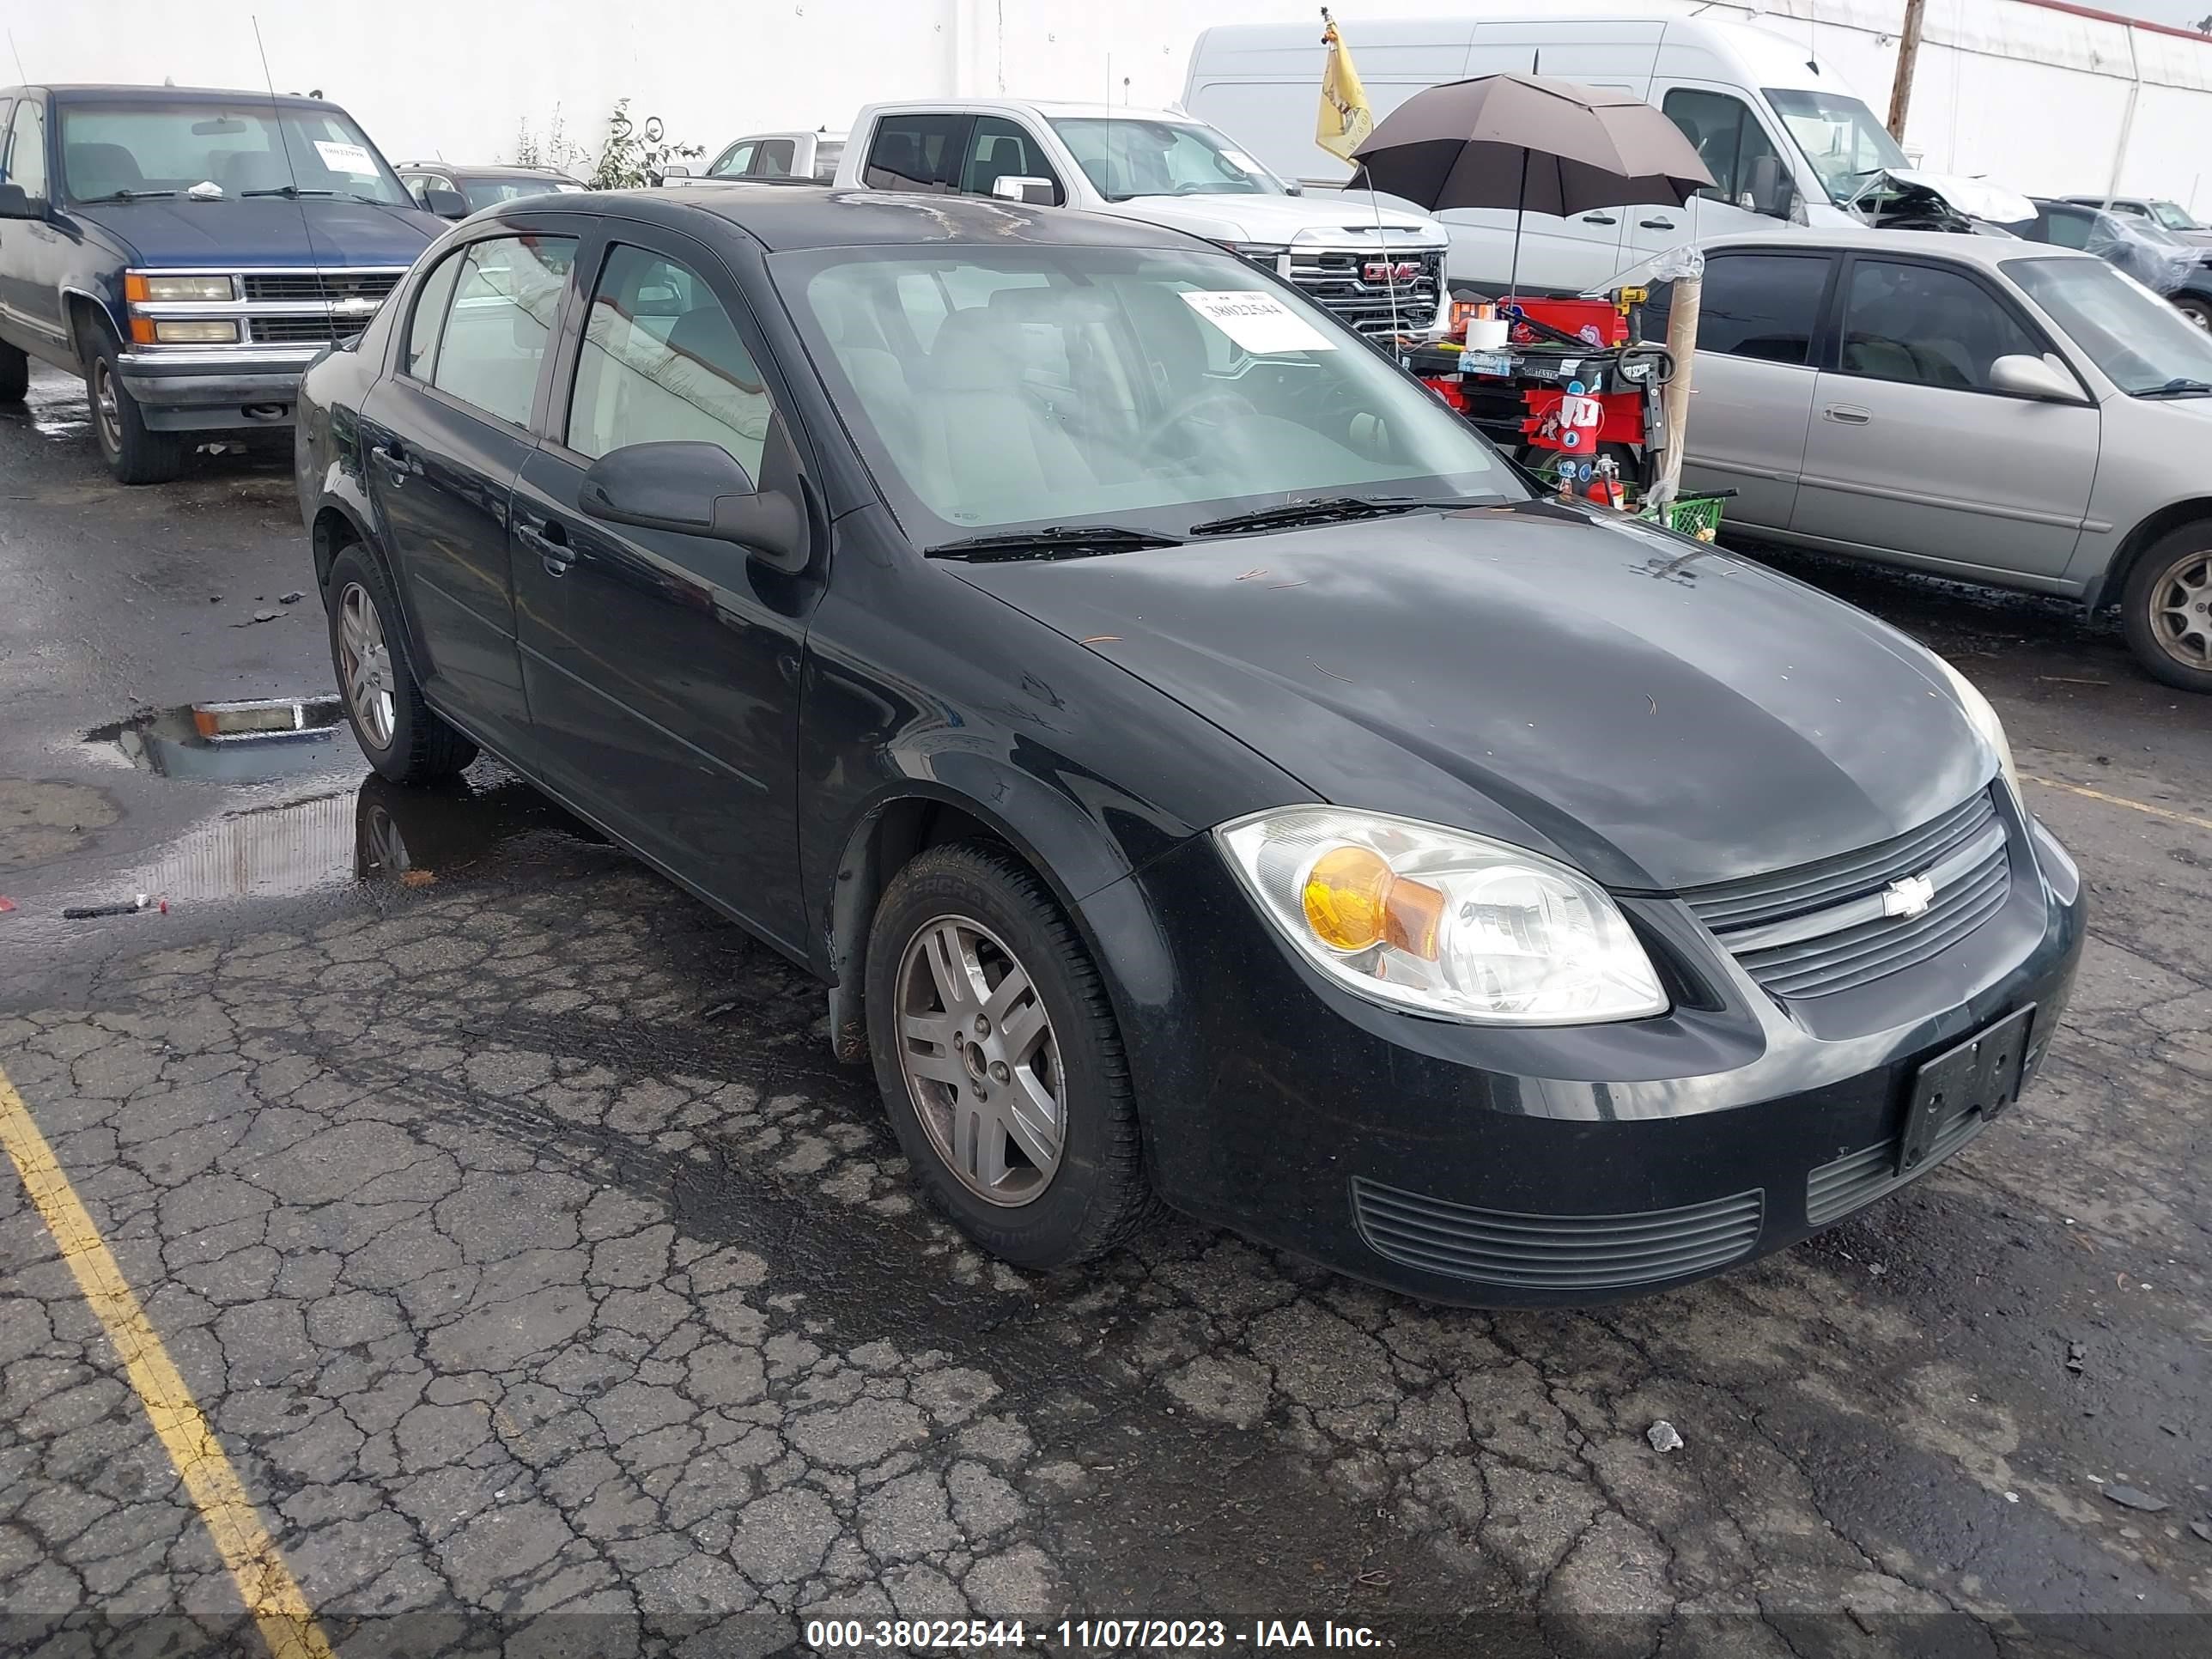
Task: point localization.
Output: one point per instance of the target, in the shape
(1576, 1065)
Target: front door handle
(1846, 415)
(550, 542)
(1600, 219)
(1656, 224)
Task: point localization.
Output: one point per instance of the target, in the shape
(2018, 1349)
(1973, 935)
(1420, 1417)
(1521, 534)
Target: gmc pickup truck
(188, 253)
(1380, 268)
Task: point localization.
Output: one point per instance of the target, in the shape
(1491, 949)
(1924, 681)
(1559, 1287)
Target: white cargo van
(1784, 137)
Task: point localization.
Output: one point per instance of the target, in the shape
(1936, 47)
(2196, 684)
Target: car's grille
(1555, 1252)
(319, 285)
(1834, 1190)
(1339, 278)
(306, 331)
(1823, 927)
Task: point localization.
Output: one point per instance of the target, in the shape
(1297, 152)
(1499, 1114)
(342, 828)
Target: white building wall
(2027, 94)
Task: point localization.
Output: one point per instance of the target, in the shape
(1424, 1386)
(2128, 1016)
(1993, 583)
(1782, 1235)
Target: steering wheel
(1178, 425)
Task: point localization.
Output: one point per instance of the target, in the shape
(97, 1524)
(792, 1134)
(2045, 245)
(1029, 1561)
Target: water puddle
(257, 741)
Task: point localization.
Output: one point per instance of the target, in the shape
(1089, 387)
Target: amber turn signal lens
(134, 287)
(1354, 899)
(141, 330)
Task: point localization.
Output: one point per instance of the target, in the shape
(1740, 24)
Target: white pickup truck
(1379, 269)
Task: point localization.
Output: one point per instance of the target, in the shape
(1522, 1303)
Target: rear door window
(917, 153)
(1766, 305)
(507, 297)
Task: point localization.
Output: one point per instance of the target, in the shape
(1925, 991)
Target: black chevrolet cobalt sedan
(1199, 768)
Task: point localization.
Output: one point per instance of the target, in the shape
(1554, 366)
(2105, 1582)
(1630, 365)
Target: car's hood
(265, 230)
(1661, 714)
(1334, 221)
(1977, 199)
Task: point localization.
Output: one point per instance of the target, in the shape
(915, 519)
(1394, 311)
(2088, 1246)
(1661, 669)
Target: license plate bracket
(1981, 1074)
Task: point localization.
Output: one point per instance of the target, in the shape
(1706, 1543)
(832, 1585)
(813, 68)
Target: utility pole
(1908, 50)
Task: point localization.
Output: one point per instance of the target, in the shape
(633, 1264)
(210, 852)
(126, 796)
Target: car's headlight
(1273, 255)
(1441, 921)
(1985, 720)
(205, 289)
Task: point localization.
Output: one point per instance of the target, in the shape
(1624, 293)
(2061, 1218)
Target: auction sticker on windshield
(1260, 323)
(345, 158)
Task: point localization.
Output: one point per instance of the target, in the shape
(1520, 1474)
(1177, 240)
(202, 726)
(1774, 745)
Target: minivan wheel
(14, 373)
(400, 733)
(2167, 609)
(134, 451)
(1000, 1061)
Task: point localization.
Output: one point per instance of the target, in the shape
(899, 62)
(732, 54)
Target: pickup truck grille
(319, 285)
(306, 331)
(1349, 281)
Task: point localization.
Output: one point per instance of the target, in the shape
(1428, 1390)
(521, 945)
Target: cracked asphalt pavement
(552, 1291)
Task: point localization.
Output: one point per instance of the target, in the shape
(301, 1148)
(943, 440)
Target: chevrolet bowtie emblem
(1908, 895)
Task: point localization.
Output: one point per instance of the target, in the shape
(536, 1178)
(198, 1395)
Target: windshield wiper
(2179, 388)
(1057, 541)
(122, 196)
(1331, 509)
(286, 190)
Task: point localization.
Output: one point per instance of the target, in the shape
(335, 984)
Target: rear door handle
(550, 542)
(394, 459)
(1657, 224)
(1600, 219)
(1846, 415)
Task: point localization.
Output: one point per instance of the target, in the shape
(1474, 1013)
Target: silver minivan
(1979, 407)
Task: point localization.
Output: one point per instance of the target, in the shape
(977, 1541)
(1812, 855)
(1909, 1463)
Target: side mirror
(14, 205)
(676, 170)
(1768, 190)
(2031, 377)
(694, 489)
(446, 204)
(1035, 192)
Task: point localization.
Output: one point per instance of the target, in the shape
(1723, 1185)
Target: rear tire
(14, 373)
(2197, 308)
(403, 737)
(1071, 1184)
(2167, 609)
(134, 451)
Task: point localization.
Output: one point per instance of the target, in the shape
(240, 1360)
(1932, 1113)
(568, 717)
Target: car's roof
(821, 134)
(1045, 107)
(1988, 251)
(783, 217)
(488, 170)
(87, 91)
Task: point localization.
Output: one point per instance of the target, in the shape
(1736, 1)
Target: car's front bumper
(1505, 1167)
(190, 389)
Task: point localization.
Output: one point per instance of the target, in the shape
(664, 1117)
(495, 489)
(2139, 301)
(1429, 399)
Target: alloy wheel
(980, 1061)
(364, 664)
(2181, 610)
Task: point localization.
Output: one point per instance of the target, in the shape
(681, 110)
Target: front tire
(134, 451)
(2195, 307)
(401, 735)
(2167, 610)
(1000, 1060)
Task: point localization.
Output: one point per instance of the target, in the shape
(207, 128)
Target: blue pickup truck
(189, 252)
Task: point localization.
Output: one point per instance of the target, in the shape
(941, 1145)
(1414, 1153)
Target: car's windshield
(1153, 389)
(490, 192)
(1839, 137)
(2174, 217)
(252, 147)
(2141, 341)
(1125, 157)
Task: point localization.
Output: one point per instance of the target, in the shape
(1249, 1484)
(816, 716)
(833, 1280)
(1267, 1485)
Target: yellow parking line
(272, 1595)
(2122, 800)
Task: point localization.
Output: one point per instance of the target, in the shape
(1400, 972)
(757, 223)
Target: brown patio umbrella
(1528, 142)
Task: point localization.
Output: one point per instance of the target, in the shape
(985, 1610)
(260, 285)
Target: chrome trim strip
(1836, 918)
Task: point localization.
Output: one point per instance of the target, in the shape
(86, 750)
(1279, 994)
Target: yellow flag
(1345, 120)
